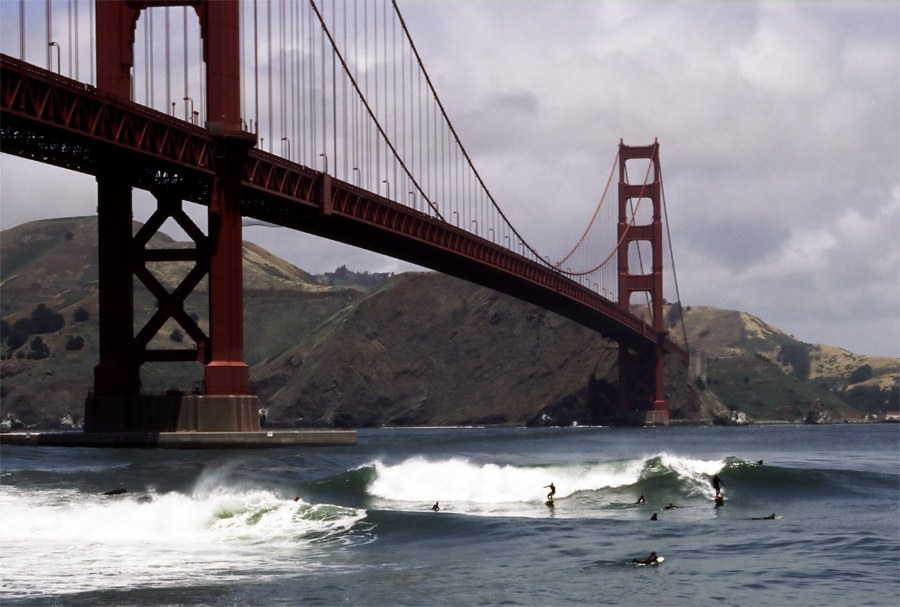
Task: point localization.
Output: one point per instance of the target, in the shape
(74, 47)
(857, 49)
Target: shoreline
(182, 440)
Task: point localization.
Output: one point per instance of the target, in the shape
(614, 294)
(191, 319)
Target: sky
(779, 132)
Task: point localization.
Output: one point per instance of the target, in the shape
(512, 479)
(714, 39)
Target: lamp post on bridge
(191, 113)
(325, 156)
(283, 139)
(58, 60)
(457, 218)
(475, 221)
(388, 184)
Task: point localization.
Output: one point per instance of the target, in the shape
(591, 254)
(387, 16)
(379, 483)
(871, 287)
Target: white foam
(419, 480)
(62, 541)
(696, 472)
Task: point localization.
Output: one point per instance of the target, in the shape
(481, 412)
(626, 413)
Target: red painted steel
(641, 383)
(225, 372)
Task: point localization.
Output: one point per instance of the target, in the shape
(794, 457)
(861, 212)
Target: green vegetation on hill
(342, 277)
(762, 390)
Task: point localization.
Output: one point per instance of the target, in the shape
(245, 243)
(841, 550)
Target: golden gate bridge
(318, 116)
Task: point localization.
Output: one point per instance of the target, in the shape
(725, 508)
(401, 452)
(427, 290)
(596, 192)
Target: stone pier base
(171, 413)
(657, 418)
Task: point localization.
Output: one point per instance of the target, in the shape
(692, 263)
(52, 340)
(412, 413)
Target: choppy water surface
(354, 525)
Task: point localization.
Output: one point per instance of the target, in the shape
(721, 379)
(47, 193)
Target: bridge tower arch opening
(224, 403)
(641, 385)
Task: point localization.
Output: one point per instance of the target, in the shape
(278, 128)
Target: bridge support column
(641, 385)
(225, 404)
(118, 373)
(226, 372)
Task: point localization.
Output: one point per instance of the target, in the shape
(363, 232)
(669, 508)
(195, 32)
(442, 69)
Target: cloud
(779, 126)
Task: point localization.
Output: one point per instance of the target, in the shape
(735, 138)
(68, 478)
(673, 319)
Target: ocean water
(354, 525)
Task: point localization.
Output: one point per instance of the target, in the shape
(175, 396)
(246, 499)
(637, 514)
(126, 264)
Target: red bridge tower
(641, 390)
(224, 404)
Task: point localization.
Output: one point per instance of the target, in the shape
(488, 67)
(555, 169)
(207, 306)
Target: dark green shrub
(39, 349)
(80, 315)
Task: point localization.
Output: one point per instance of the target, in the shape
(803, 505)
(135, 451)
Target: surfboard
(719, 498)
(549, 502)
(659, 560)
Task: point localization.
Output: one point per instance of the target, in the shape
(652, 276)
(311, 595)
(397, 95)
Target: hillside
(418, 348)
(765, 372)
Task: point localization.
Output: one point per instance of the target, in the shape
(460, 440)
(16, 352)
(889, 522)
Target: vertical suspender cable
(281, 78)
(295, 55)
(77, 53)
(269, 71)
(91, 38)
(377, 107)
(168, 68)
(356, 134)
(304, 92)
(347, 166)
(334, 161)
(71, 53)
(400, 194)
(148, 100)
(324, 101)
(150, 53)
(256, 68)
(22, 30)
(49, 38)
(190, 118)
(311, 125)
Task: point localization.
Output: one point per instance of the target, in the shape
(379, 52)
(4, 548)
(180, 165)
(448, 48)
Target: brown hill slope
(420, 349)
(429, 349)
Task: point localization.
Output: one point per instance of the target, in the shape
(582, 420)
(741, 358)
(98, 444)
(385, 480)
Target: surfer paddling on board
(552, 489)
(436, 507)
(650, 559)
(771, 517)
(640, 500)
(716, 481)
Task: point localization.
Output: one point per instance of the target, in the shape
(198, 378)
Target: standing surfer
(552, 491)
(716, 481)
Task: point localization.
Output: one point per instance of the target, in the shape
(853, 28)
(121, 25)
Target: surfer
(716, 481)
(552, 491)
(654, 517)
(436, 506)
(650, 559)
(671, 506)
(640, 500)
(759, 463)
(771, 517)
